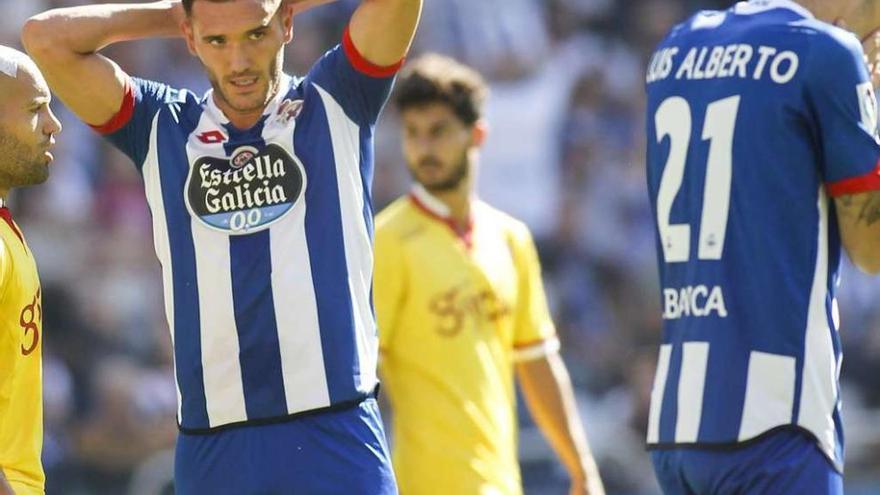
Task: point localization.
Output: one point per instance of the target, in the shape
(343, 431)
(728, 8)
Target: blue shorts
(337, 452)
(785, 462)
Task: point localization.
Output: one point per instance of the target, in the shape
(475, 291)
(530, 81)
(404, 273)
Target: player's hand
(5, 489)
(871, 45)
(590, 486)
(177, 12)
(299, 6)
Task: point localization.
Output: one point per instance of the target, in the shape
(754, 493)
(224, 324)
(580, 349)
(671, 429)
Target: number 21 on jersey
(674, 119)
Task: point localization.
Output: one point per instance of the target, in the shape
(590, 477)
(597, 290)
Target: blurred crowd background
(565, 154)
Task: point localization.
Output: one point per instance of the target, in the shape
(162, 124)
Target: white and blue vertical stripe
(277, 322)
(772, 391)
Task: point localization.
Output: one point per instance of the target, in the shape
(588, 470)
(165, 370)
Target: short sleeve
(8, 341)
(534, 331)
(846, 111)
(129, 130)
(358, 86)
(389, 284)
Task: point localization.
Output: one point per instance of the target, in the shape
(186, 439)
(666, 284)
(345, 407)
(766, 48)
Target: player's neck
(458, 201)
(239, 120)
(826, 12)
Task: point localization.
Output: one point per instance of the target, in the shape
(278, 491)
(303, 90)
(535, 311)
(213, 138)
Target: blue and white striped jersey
(265, 240)
(756, 115)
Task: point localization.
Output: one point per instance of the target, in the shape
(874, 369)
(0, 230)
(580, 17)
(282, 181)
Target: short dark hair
(188, 5)
(434, 78)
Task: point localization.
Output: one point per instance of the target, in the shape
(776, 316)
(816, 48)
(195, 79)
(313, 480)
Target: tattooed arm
(858, 216)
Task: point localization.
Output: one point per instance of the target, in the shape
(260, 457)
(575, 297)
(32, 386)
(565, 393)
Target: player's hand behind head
(871, 44)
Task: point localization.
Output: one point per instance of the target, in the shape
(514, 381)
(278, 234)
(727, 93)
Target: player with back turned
(762, 167)
(260, 198)
(27, 130)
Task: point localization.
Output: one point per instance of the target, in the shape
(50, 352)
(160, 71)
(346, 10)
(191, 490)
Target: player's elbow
(39, 36)
(868, 263)
(863, 250)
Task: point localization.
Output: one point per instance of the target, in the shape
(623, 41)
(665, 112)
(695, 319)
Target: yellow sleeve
(9, 342)
(389, 283)
(534, 329)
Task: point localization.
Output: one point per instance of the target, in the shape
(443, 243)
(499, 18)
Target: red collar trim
(466, 234)
(7, 216)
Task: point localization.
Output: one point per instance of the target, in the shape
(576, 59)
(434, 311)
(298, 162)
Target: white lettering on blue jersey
(746, 141)
(737, 60)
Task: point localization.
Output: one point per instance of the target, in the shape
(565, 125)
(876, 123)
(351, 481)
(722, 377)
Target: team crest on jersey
(868, 106)
(289, 110)
(246, 192)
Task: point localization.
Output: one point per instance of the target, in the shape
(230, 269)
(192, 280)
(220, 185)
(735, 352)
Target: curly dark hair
(434, 78)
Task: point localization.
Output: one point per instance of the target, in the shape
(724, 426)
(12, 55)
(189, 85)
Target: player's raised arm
(65, 43)
(382, 30)
(842, 90)
(859, 218)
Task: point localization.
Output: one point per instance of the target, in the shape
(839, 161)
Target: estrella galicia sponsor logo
(247, 192)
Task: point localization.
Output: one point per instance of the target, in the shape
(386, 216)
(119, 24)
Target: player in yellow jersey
(461, 309)
(27, 129)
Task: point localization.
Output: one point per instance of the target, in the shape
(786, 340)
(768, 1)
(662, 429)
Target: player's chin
(249, 103)
(36, 176)
(438, 186)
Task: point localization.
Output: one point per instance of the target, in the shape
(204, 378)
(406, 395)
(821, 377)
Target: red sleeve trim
(123, 116)
(855, 185)
(363, 65)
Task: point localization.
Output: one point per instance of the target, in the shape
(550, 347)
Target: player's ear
(189, 35)
(479, 133)
(287, 21)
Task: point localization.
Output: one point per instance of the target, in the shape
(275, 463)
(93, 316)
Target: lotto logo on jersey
(247, 192)
(31, 319)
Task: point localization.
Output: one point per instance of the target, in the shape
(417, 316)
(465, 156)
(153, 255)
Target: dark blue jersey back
(755, 116)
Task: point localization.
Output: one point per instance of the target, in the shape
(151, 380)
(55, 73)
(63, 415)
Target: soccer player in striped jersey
(260, 197)
(763, 165)
(27, 130)
(461, 307)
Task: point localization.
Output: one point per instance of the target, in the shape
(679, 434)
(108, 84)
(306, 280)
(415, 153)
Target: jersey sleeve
(846, 109)
(389, 284)
(8, 341)
(129, 130)
(358, 86)
(534, 331)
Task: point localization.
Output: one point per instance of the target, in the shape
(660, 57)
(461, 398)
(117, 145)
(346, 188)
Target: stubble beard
(271, 91)
(453, 181)
(23, 165)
